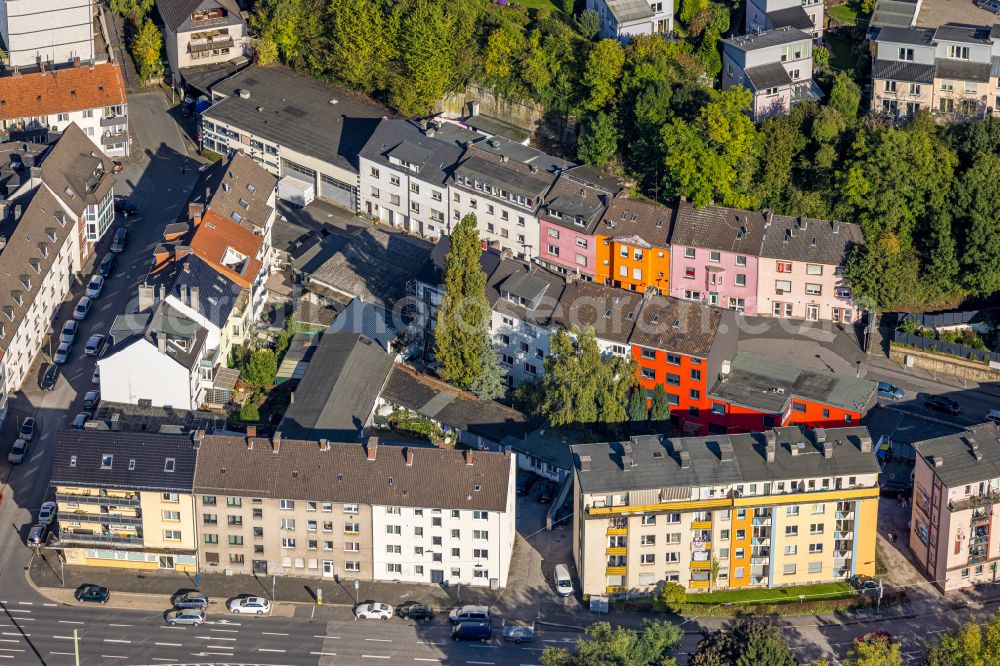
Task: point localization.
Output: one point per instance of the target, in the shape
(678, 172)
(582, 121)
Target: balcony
(761, 541)
(843, 536)
(761, 521)
(845, 515)
(975, 559)
(982, 519)
(103, 518)
(701, 546)
(113, 121)
(68, 538)
(701, 525)
(699, 584)
(614, 589)
(210, 45)
(702, 565)
(616, 551)
(616, 571)
(617, 531)
(102, 500)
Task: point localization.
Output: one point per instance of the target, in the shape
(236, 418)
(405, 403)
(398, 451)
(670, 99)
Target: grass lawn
(841, 54)
(844, 13)
(775, 595)
(538, 4)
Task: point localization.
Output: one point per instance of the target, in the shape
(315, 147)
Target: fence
(962, 351)
(946, 319)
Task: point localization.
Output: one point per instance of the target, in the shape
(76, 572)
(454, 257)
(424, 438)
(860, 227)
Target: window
(235, 540)
(791, 530)
(172, 516)
(782, 286)
(819, 509)
(815, 567)
(311, 525)
(171, 535)
(374, 173)
(673, 359)
(791, 550)
(906, 54)
(649, 373)
(648, 540)
(816, 528)
(288, 542)
(792, 510)
(689, 272)
(958, 52)
(784, 267)
(313, 544)
(171, 497)
(480, 535)
(286, 505)
(394, 550)
(741, 280)
(581, 242)
(394, 568)
(288, 523)
(915, 89)
(689, 253)
(393, 529)
(789, 570)
(741, 260)
(673, 518)
(815, 548)
(715, 257)
(210, 519)
(234, 501)
(553, 250)
(354, 567)
(798, 406)
(169, 465)
(814, 289)
(647, 558)
(208, 500)
(351, 528)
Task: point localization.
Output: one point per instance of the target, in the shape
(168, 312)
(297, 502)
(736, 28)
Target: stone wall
(945, 364)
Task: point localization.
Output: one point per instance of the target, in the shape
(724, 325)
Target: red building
(684, 346)
(756, 393)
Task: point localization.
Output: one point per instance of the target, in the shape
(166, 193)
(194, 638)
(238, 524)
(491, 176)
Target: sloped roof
(584, 304)
(628, 11)
(673, 325)
(441, 148)
(804, 239)
(905, 35)
(625, 218)
(139, 460)
(226, 185)
(528, 278)
(898, 70)
(573, 199)
(719, 228)
(962, 70)
(794, 17)
(767, 39)
(959, 464)
(175, 13)
(61, 90)
(218, 294)
(771, 75)
(216, 237)
(77, 171)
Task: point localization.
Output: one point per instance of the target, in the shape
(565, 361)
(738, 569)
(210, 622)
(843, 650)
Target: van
(564, 584)
(993, 415)
(469, 614)
(471, 631)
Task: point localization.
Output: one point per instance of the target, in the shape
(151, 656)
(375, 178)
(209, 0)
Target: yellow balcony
(699, 583)
(616, 571)
(701, 565)
(617, 531)
(614, 589)
(701, 525)
(616, 551)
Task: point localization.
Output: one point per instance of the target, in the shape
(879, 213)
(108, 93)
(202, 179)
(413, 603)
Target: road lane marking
(337, 638)
(477, 645)
(216, 638)
(271, 633)
(25, 603)
(430, 643)
(169, 644)
(17, 610)
(219, 647)
(9, 640)
(375, 656)
(116, 640)
(483, 663)
(11, 650)
(14, 633)
(70, 622)
(379, 640)
(164, 659)
(51, 605)
(228, 631)
(268, 650)
(325, 654)
(119, 625)
(436, 661)
(68, 654)
(114, 656)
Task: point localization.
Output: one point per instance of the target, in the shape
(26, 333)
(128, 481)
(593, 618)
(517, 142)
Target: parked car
(525, 480)
(69, 331)
(47, 513)
(993, 415)
(38, 535)
(469, 613)
(107, 264)
(95, 377)
(472, 631)
(82, 308)
(92, 399)
(564, 584)
(258, 605)
(27, 429)
(95, 286)
(92, 594)
(125, 207)
(50, 378)
(118, 244)
(62, 353)
(990, 6)
(95, 344)
(373, 611)
(940, 403)
(414, 610)
(195, 600)
(887, 390)
(192, 616)
(546, 492)
(17, 452)
(80, 420)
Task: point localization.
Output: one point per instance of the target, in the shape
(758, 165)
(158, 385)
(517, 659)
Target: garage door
(338, 192)
(297, 171)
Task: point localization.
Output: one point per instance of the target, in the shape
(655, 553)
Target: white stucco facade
(398, 197)
(53, 31)
(125, 377)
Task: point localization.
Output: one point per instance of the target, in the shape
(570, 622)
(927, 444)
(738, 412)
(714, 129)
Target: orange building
(633, 245)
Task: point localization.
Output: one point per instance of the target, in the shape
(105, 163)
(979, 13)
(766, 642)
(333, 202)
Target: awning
(225, 379)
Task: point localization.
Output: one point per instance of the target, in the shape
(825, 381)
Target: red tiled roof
(214, 234)
(61, 90)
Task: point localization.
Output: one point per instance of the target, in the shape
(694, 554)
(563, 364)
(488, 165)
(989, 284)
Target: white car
(373, 611)
(17, 452)
(258, 605)
(95, 286)
(47, 513)
(62, 354)
(69, 331)
(96, 377)
(95, 344)
(82, 308)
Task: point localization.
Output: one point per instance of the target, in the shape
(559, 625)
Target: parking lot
(936, 12)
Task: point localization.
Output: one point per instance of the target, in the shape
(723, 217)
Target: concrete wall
(944, 364)
(528, 116)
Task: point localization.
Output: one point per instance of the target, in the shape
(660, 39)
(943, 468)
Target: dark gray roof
(995, 64)
(528, 278)
(338, 391)
(962, 70)
(77, 171)
(899, 70)
(915, 36)
(673, 325)
(960, 32)
(511, 177)
(579, 195)
(226, 185)
(217, 295)
(612, 313)
(794, 17)
(449, 406)
(499, 147)
(718, 228)
(549, 445)
(767, 384)
(656, 460)
(296, 111)
(959, 464)
(303, 470)
(772, 75)
(804, 239)
(410, 152)
(370, 320)
(639, 222)
(78, 456)
(496, 127)
(177, 13)
(201, 78)
(432, 270)
(524, 285)
(767, 39)
(894, 13)
(185, 339)
(441, 146)
(627, 11)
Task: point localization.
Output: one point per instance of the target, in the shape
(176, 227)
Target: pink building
(568, 216)
(801, 269)
(713, 256)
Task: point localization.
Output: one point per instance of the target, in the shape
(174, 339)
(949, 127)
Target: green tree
(589, 23)
(845, 96)
(659, 413)
(295, 27)
(568, 6)
(874, 649)
(132, 9)
(638, 411)
(265, 51)
(970, 645)
(782, 142)
(672, 597)
(572, 378)
(977, 211)
(249, 412)
(490, 384)
(428, 57)
(460, 334)
(651, 646)
(360, 45)
(599, 141)
(691, 8)
(504, 48)
(612, 385)
(146, 51)
(713, 158)
(747, 642)
(260, 369)
(884, 273)
(821, 57)
(602, 73)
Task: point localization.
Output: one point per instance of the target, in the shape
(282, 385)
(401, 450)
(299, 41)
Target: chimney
(769, 452)
(866, 444)
(196, 437)
(291, 398)
(251, 433)
(685, 459)
(836, 227)
(937, 461)
(796, 447)
(468, 456)
(584, 463)
(41, 67)
(372, 449)
(276, 441)
(208, 194)
(725, 451)
(16, 74)
(161, 342)
(827, 449)
(187, 268)
(195, 212)
(195, 299)
(76, 61)
(409, 456)
(820, 434)
(627, 462)
(116, 422)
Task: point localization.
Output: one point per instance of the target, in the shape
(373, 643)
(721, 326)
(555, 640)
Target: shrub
(249, 412)
(260, 369)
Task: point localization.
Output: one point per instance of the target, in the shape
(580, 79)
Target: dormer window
(35, 264)
(170, 464)
(225, 187)
(107, 460)
(26, 281)
(17, 297)
(51, 233)
(250, 188)
(236, 216)
(244, 203)
(43, 249)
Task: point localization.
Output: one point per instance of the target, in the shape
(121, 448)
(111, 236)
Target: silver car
(17, 452)
(193, 616)
(62, 354)
(69, 331)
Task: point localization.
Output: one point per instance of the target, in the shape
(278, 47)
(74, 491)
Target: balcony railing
(112, 121)
(700, 583)
(616, 551)
(74, 537)
(981, 519)
(97, 499)
(615, 571)
(701, 525)
(103, 518)
(201, 47)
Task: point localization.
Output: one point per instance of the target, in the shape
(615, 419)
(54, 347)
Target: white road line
(6, 656)
(379, 640)
(219, 647)
(325, 654)
(62, 638)
(25, 603)
(51, 605)
(68, 654)
(114, 656)
(21, 618)
(163, 659)
(17, 610)
(337, 638)
(430, 643)
(11, 650)
(14, 633)
(271, 633)
(70, 622)
(484, 663)
(268, 650)
(119, 625)
(228, 631)
(375, 656)
(436, 661)
(169, 644)
(216, 638)
(9, 640)
(116, 640)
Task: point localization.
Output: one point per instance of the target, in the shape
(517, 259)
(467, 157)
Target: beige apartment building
(125, 500)
(789, 506)
(956, 490)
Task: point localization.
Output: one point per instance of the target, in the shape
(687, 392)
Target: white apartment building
(90, 96)
(805, 15)
(201, 32)
(503, 183)
(776, 66)
(47, 31)
(403, 179)
(428, 540)
(624, 19)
